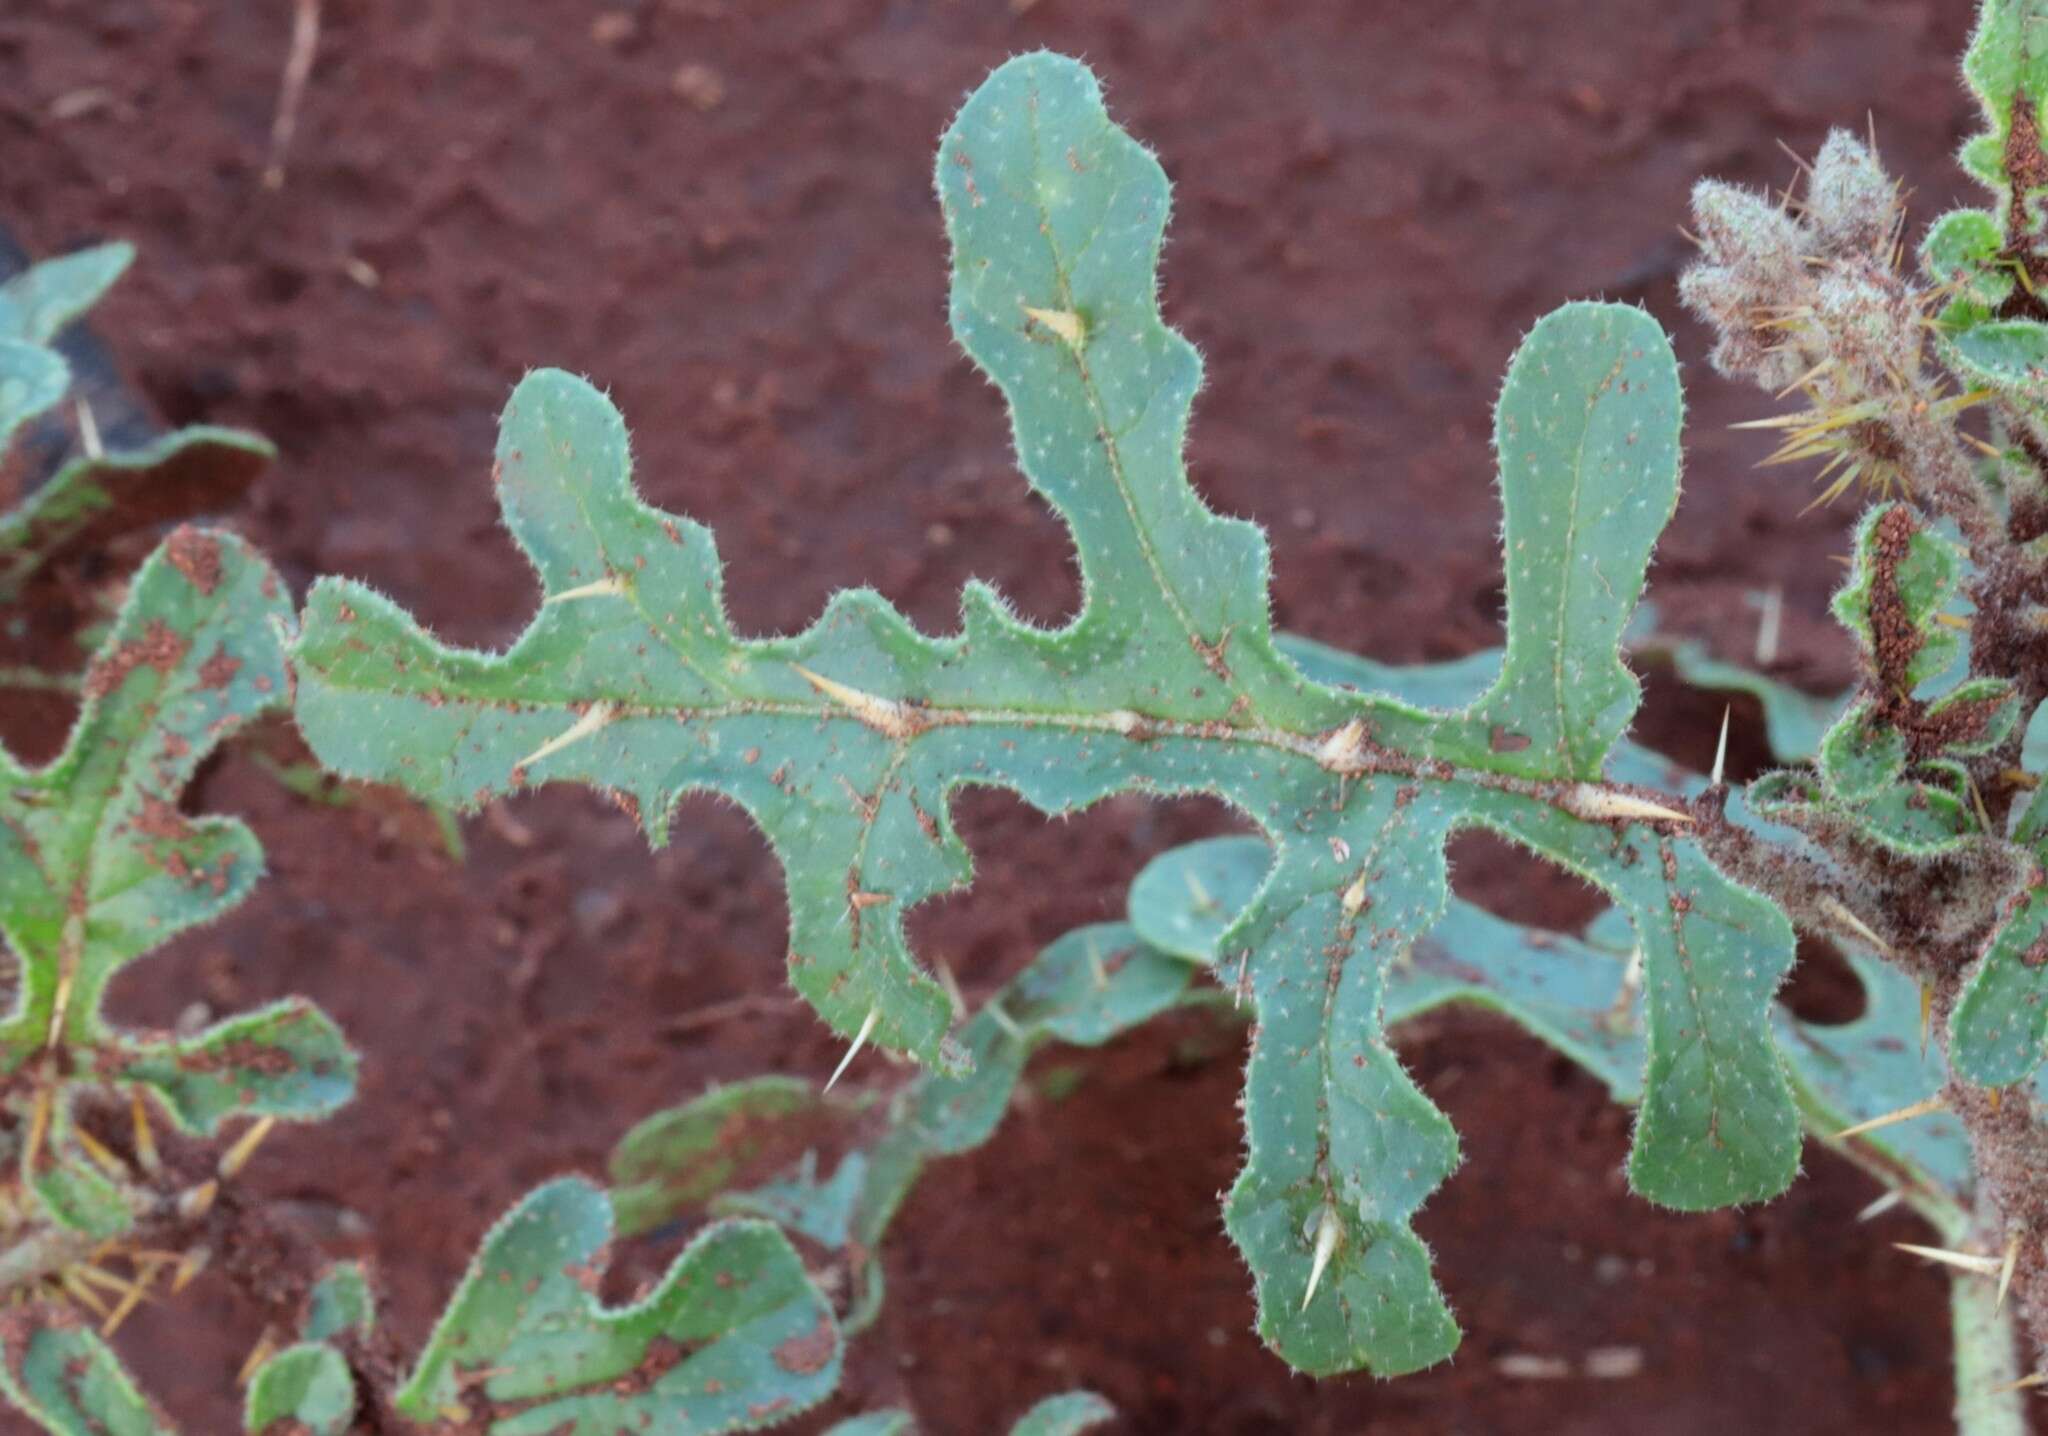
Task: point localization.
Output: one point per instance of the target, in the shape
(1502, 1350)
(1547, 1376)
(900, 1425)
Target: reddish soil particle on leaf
(588, 1275)
(197, 556)
(160, 647)
(220, 670)
(159, 820)
(803, 1355)
(242, 1056)
(664, 1354)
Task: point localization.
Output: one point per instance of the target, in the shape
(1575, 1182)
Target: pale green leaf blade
(1085, 987)
(74, 1193)
(845, 742)
(731, 1135)
(1718, 1123)
(1336, 1132)
(1067, 1414)
(2007, 352)
(37, 303)
(1056, 216)
(97, 863)
(733, 1338)
(2007, 60)
(1997, 1031)
(1587, 436)
(304, 1390)
(875, 1423)
(288, 1060)
(60, 1375)
(1184, 900)
(341, 1303)
(32, 380)
(1963, 247)
(1572, 994)
(1861, 755)
(824, 1211)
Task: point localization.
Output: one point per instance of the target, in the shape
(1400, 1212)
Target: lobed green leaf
(1587, 436)
(1574, 994)
(60, 1375)
(98, 865)
(845, 742)
(733, 1338)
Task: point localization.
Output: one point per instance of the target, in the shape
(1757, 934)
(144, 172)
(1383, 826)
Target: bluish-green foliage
(95, 493)
(845, 742)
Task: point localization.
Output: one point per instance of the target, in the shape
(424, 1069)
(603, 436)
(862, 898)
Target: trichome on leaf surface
(1906, 830)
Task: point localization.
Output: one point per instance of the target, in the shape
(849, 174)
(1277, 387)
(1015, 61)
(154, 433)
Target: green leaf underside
(304, 1390)
(1573, 994)
(1064, 1415)
(32, 381)
(340, 1303)
(1794, 721)
(1168, 681)
(61, 1375)
(95, 496)
(36, 304)
(1085, 988)
(685, 1156)
(1879, 1062)
(733, 1338)
(1068, 1414)
(91, 499)
(875, 1423)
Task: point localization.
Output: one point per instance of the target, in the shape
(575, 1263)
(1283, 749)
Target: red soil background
(722, 212)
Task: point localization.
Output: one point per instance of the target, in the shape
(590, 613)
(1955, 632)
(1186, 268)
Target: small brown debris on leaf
(802, 1355)
(160, 647)
(197, 556)
(220, 670)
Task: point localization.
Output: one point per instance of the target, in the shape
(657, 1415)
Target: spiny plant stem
(1987, 1361)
